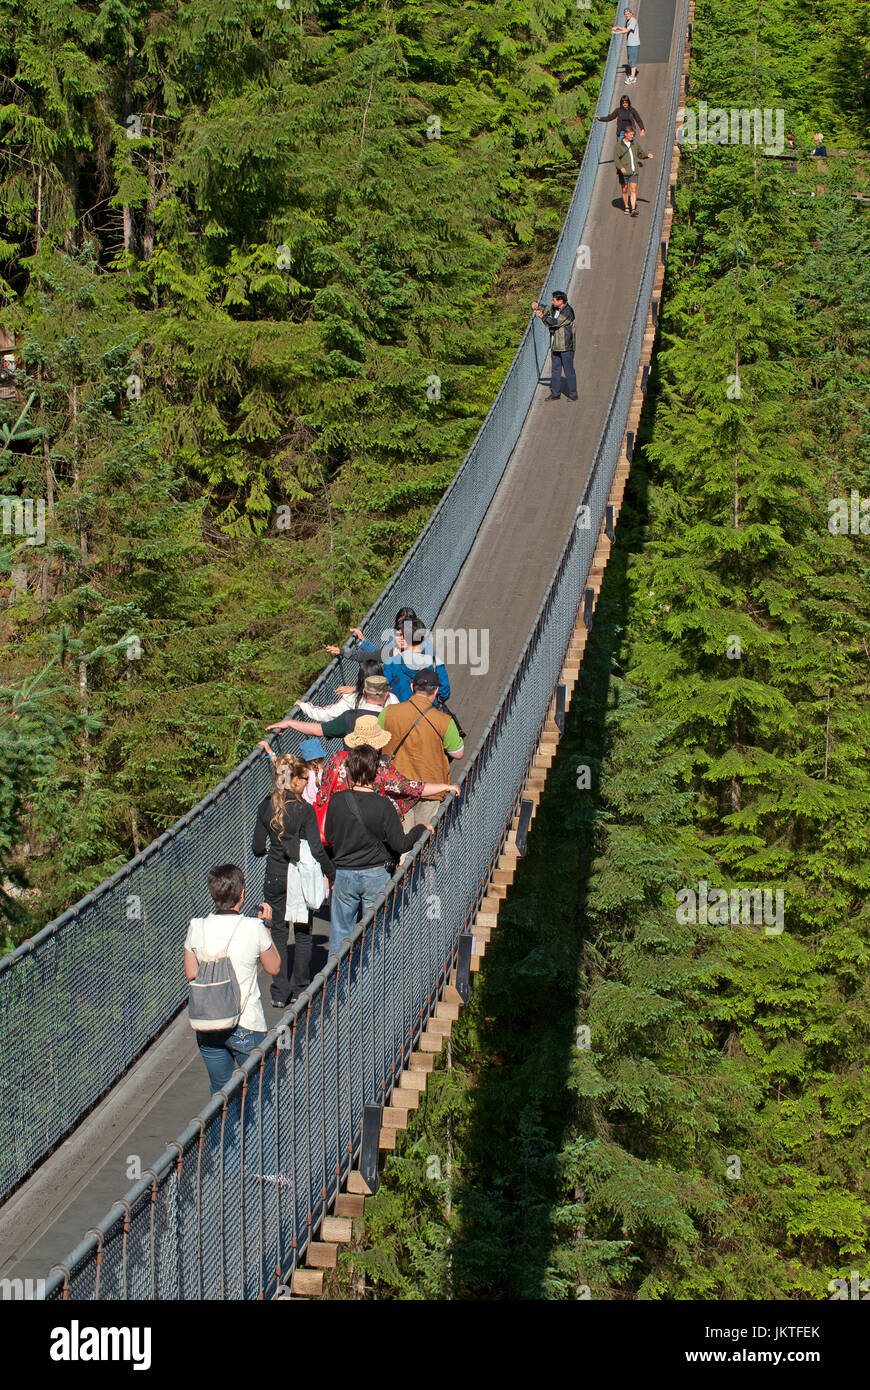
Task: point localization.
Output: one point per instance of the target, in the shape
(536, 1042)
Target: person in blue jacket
(411, 651)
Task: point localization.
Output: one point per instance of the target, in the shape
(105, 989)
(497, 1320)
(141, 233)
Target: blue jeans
(560, 360)
(355, 891)
(223, 1050)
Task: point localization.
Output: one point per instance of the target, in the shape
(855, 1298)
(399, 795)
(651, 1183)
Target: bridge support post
(463, 965)
(526, 809)
(559, 714)
(610, 521)
(588, 606)
(368, 1158)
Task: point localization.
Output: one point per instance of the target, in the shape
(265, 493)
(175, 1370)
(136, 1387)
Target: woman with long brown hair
(284, 819)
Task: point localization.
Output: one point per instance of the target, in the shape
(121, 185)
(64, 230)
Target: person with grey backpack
(221, 955)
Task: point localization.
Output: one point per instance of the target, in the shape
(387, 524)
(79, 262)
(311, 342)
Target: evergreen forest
(256, 331)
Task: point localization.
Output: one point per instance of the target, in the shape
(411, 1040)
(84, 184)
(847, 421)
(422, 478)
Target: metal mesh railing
(230, 1208)
(85, 996)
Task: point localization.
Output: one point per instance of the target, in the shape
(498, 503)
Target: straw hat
(367, 730)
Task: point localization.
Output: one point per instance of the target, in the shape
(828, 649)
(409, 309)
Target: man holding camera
(560, 321)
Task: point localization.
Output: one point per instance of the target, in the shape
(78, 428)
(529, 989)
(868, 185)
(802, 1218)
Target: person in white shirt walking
(632, 45)
(247, 942)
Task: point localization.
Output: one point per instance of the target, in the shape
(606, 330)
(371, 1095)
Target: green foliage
(236, 263)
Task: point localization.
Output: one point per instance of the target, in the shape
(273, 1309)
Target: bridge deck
(499, 588)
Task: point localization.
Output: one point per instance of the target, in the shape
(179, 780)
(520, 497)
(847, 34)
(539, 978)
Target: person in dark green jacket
(627, 160)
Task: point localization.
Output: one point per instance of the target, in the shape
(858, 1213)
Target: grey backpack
(215, 997)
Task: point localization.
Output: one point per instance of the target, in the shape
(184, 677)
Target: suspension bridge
(119, 1177)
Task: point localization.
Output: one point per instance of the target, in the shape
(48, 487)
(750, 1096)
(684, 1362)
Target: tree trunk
(148, 230)
(82, 533)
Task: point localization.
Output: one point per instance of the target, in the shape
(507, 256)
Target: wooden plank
(421, 1061)
(322, 1254)
(431, 1042)
(505, 876)
(482, 933)
(350, 1205)
(356, 1183)
(308, 1283)
(444, 1026)
(337, 1228)
(486, 919)
(395, 1117)
(445, 1010)
(451, 994)
(411, 1081)
(387, 1138)
(408, 1098)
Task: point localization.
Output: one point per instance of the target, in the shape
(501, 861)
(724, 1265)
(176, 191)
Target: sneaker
(573, 398)
(634, 212)
(552, 398)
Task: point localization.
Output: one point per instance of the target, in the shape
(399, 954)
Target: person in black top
(283, 819)
(624, 115)
(366, 836)
(560, 321)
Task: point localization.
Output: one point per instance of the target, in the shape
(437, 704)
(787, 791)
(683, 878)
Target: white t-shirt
(632, 38)
(209, 936)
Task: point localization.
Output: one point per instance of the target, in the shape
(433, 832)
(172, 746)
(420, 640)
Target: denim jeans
(223, 1050)
(560, 360)
(354, 893)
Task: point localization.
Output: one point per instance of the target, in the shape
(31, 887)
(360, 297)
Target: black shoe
(572, 398)
(634, 212)
(552, 398)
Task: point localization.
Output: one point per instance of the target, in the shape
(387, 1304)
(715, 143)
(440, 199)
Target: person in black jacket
(624, 115)
(560, 321)
(367, 838)
(283, 820)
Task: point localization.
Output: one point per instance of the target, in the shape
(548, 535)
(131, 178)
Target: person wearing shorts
(627, 160)
(632, 45)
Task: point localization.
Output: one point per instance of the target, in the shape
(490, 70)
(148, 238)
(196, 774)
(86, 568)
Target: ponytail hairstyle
(286, 767)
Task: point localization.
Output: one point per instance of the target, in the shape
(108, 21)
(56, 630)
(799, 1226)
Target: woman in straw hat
(402, 792)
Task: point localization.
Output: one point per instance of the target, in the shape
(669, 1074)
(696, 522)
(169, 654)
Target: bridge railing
(229, 1209)
(82, 999)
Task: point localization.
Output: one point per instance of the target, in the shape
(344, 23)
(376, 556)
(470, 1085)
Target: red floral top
(388, 782)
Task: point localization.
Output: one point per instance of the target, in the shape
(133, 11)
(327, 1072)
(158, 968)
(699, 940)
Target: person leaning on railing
(624, 115)
(407, 622)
